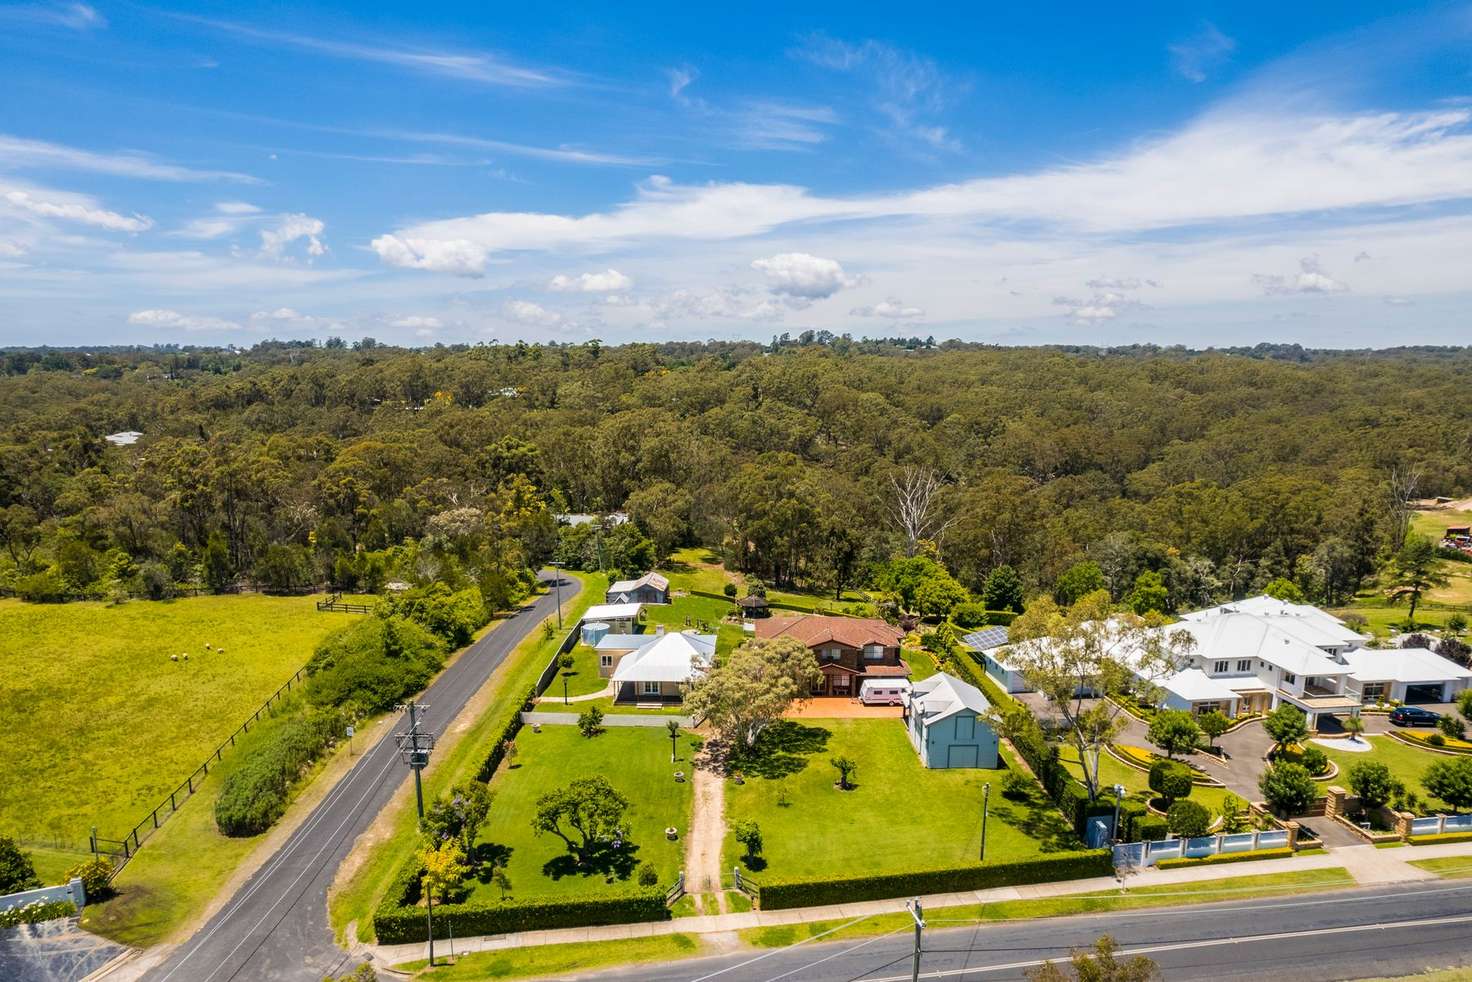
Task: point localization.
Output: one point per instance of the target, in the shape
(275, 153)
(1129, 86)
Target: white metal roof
(1194, 685)
(605, 612)
(944, 695)
(126, 438)
(1414, 666)
(622, 642)
(648, 579)
(1304, 621)
(1231, 636)
(673, 657)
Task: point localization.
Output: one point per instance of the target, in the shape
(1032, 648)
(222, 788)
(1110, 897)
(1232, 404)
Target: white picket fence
(1137, 854)
(1437, 824)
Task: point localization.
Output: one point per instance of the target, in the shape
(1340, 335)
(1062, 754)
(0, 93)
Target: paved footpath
(275, 927)
(1366, 864)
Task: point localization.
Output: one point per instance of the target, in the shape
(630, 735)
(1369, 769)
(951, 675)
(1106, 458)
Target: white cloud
(236, 208)
(72, 208)
(798, 274)
(608, 281)
(1201, 53)
(1100, 306)
(289, 229)
(19, 152)
(908, 90)
(75, 16)
(466, 66)
(526, 312)
(174, 319)
(1310, 278)
(738, 303)
(890, 308)
(228, 218)
(418, 322)
(1399, 302)
(11, 250)
(1192, 178)
(680, 79)
(281, 315)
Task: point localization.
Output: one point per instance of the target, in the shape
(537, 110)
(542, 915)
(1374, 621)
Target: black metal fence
(122, 850)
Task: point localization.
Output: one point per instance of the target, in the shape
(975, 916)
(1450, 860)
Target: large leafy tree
(1416, 569)
(1084, 658)
(752, 687)
(1451, 781)
(585, 815)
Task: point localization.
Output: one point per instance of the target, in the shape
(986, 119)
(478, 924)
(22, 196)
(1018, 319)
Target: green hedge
(781, 894)
(254, 796)
(399, 919)
(35, 913)
(1433, 839)
(1149, 828)
(1282, 852)
(508, 732)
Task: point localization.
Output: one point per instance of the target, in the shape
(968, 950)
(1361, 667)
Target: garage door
(963, 756)
(1430, 692)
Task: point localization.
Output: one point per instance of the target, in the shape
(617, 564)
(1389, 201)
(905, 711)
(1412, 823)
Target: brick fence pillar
(1292, 828)
(1403, 822)
(1334, 801)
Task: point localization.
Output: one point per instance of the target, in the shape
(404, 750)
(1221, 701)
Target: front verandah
(649, 693)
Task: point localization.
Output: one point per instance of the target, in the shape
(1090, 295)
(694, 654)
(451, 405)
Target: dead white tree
(1405, 481)
(915, 507)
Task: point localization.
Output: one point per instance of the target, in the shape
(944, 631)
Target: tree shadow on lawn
(782, 749)
(487, 856)
(1037, 818)
(603, 860)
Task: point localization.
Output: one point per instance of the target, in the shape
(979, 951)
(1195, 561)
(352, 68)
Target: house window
(1220, 667)
(1207, 707)
(829, 654)
(649, 688)
(1289, 678)
(840, 682)
(1245, 665)
(605, 660)
(1373, 690)
(873, 652)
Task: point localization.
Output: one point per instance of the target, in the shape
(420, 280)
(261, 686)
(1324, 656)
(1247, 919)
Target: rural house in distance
(849, 649)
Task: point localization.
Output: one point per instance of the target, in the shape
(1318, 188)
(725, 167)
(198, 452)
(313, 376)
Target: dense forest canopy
(812, 461)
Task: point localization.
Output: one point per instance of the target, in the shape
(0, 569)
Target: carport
(1425, 692)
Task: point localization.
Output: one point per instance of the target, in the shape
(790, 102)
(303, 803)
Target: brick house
(849, 649)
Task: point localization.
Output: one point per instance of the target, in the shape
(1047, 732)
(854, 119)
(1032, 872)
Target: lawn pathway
(707, 829)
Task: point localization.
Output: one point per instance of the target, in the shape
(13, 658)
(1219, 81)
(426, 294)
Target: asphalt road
(275, 927)
(1341, 935)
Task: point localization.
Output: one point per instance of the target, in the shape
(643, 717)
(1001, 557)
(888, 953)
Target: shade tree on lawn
(1071, 655)
(1451, 781)
(1286, 725)
(752, 687)
(445, 871)
(589, 808)
(1170, 780)
(1415, 569)
(1175, 732)
(457, 815)
(1187, 819)
(1373, 783)
(1213, 724)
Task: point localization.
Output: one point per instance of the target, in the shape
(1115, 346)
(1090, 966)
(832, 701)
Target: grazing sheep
(173, 658)
(185, 656)
(206, 646)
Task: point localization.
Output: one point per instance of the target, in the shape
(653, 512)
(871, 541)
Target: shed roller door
(963, 756)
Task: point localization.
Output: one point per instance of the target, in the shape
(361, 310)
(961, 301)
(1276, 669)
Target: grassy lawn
(912, 810)
(561, 960)
(1382, 619)
(1447, 867)
(1405, 762)
(1137, 783)
(457, 757)
(688, 613)
(700, 571)
(1135, 898)
(584, 678)
(122, 725)
(635, 760)
(922, 663)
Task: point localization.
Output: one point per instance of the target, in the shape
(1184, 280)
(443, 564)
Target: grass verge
(1447, 867)
(559, 959)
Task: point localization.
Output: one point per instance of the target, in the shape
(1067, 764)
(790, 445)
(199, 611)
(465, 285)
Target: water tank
(593, 633)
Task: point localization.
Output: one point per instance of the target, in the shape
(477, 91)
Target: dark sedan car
(1412, 716)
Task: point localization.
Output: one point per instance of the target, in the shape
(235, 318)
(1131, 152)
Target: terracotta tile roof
(900, 671)
(815, 629)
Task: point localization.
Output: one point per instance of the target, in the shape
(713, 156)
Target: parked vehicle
(1413, 716)
(884, 692)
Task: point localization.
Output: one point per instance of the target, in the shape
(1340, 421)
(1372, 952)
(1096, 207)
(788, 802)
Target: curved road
(1385, 931)
(275, 927)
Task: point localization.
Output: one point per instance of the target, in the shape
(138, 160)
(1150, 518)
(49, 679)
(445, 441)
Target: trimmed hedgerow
(1283, 852)
(254, 795)
(508, 734)
(1434, 838)
(780, 894)
(400, 919)
(1150, 828)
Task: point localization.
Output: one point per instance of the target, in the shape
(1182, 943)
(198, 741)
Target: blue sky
(1171, 173)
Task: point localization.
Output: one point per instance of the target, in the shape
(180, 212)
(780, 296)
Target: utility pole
(414, 747)
(916, 912)
(986, 794)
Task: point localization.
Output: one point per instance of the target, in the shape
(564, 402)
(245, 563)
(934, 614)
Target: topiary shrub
(648, 875)
(1314, 760)
(1288, 788)
(1188, 819)
(1170, 780)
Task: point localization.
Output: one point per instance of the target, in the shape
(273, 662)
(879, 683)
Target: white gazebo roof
(674, 657)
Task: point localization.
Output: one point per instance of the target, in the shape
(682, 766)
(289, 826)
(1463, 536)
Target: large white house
(663, 667)
(1254, 655)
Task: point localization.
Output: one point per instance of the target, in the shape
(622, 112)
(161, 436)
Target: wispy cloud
(754, 124)
(1310, 278)
(474, 66)
(608, 281)
(72, 16)
(21, 153)
(909, 90)
(290, 229)
(166, 318)
(40, 203)
(1201, 53)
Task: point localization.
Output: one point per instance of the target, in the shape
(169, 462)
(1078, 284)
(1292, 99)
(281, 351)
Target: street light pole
(1118, 801)
(986, 794)
(919, 915)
